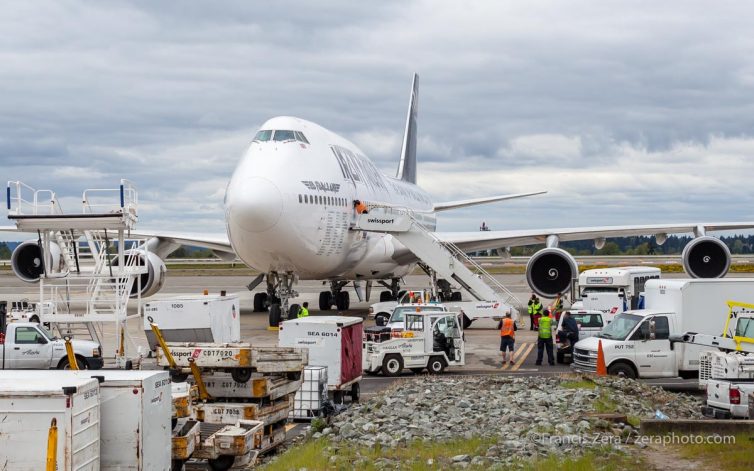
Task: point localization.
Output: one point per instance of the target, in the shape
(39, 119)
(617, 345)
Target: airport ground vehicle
(727, 372)
(614, 290)
(397, 317)
(469, 310)
(431, 340)
(637, 343)
(590, 324)
(26, 345)
(334, 342)
(28, 408)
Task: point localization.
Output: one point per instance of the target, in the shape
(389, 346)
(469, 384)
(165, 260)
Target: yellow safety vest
(303, 312)
(545, 327)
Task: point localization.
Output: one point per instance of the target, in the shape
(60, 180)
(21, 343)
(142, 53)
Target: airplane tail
(407, 166)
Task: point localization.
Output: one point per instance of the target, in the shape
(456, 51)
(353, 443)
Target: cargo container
(334, 342)
(135, 410)
(195, 318)
(27, 409)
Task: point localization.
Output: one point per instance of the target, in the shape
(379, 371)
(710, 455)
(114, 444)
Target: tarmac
(482, 338)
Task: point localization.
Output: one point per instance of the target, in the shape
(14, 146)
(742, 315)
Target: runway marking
(516, 355)
(523, 357)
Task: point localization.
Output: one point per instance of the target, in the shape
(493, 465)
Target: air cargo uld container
(27, 409)
(135, 410)
(334, 342)
(195, 318)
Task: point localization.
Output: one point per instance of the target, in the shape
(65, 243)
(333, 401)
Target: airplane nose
(255, 204)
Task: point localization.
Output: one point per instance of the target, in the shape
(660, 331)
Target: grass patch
(315, 455)
(604, 404)
(582, 384)
(728, 456)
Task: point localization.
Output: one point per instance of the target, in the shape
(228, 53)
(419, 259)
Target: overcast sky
(627, 112)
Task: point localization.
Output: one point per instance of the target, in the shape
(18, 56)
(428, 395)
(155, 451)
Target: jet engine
(26, 260)
(153, 279)
(550, 271)
(706, 257)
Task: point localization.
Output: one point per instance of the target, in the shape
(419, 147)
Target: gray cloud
(635, 112)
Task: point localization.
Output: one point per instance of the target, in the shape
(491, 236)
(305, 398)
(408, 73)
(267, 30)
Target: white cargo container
(26, 410)
(135, 409)
(334, 342)
(311, 397)
(195, 318)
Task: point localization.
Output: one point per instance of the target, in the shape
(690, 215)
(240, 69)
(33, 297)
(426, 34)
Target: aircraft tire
(274, 315)
(456, 296)
(259, 301)
(343, 301)
(325, 300)
(293, 311)
(386, 296)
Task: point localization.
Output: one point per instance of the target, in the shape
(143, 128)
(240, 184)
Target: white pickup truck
(25, 345)
(470, 310)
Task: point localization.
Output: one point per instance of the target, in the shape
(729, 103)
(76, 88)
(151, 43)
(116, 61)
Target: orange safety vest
(507, 328)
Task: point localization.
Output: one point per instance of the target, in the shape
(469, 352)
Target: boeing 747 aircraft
(289, 210)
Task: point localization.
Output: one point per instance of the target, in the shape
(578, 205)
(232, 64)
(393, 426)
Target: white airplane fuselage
(289, 206)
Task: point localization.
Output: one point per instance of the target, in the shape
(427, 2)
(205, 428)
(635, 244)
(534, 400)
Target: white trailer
(637, 343)
(27, 409)
(135, 415)
(334, 342)
(614, 290)
(195, 318)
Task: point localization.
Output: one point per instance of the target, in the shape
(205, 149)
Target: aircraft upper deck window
(284, 136)
(263, 135)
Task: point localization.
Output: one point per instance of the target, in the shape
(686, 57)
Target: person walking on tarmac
(508, 330)
(304, 311)
(544, 339)
(535, 308)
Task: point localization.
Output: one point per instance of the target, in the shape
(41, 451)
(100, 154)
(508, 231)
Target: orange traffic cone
(601, 368)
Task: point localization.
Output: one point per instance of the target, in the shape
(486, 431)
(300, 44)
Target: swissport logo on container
(380, 221)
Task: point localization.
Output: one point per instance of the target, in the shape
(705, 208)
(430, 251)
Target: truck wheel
(275, 315)
(621, 369)
(240, 375)
(337, 397)
(293, 311)
(66, 365)
(560, 357)
(392, 365)
(436, 365)
(466, 322)
(381, 315)
(221, 463)
(355, 392)
(386, 296)
(34, 319)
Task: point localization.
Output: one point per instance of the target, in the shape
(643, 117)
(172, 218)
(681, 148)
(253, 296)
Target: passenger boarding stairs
(445, 258)
(86, 277)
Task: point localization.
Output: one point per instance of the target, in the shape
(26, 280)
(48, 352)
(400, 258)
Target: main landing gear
(394, 292)
(336, 296)
(279, 291)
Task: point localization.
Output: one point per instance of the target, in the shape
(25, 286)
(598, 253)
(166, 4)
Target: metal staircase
(84, 286)
(445, 258)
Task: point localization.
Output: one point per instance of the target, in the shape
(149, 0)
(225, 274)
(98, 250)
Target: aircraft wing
(483, 240)
(475, 201)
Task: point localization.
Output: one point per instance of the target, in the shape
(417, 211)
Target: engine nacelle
(550, 271)
(26, 260)
(153, 279)
(706, 257)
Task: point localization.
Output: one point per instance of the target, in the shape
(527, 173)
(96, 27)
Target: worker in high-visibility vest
(508, 330)
(535, 310)
(303, 311)
(544, 338)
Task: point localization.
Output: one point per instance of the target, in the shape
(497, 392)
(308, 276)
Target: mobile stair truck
(727, 367)
(431, 340)
(334, 342)
(637, 343)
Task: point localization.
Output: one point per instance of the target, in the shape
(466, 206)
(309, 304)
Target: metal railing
(22, 199)
(101, 200)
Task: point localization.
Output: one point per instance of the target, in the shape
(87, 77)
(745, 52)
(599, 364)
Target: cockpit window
(300, 136)
(264, 135)
(284, 136)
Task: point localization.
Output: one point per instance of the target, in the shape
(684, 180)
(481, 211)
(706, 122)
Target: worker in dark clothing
(570, 330)
(535, 310)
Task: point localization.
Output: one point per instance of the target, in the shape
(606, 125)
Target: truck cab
(397, 317)
(614, 290)
(430, 339)
(635, 344)
(25, 345)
